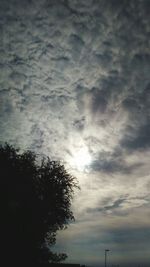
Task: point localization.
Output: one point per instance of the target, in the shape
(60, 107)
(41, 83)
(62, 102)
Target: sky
(75, 86)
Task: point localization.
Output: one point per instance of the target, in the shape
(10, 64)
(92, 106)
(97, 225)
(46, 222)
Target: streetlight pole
(106, 250)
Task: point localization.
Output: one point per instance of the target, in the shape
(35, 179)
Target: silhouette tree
(36, 203)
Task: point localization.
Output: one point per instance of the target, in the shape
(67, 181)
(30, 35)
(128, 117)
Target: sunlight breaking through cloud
(80, 159)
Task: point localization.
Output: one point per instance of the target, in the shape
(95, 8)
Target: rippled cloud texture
(75, 75)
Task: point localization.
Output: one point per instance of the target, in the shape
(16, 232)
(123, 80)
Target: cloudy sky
(75, 85)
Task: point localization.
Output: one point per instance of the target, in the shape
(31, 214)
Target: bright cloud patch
(80, 159)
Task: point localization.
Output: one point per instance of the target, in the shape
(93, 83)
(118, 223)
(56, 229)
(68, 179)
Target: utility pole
(106, 250)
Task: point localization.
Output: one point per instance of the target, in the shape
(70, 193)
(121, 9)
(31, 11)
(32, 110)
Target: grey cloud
(79, 124)
(99, 100)
(137, 131)
(141, 139)
(131, 104)
(110, 167)
(115, 204)
(113, 163)
(136, 235)
(62, 63)
(76, 46)
(140, 62)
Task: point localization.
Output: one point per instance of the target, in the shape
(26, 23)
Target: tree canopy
(36, 203)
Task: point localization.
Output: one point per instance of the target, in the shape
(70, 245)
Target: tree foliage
(36, 203)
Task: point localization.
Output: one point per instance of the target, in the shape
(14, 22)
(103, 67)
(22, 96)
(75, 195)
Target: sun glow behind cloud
(80, 159)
